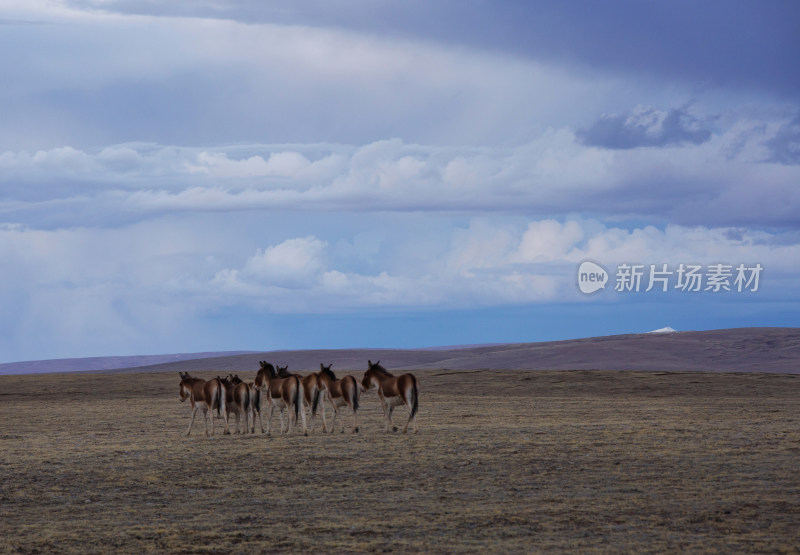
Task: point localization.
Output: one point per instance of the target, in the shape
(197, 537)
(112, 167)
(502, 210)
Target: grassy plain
(505, 461)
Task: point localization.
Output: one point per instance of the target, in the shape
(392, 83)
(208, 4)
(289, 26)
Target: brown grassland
(505, 461)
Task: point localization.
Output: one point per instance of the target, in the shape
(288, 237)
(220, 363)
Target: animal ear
(321, 366)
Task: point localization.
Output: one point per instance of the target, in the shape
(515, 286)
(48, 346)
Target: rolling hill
(775, 350)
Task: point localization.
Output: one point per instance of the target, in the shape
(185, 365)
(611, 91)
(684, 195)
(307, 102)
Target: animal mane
(268, 367)
(380, 369)
(186, 378)
(328, 372)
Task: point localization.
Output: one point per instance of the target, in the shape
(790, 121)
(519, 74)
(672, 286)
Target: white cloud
(488, 264)
(719, 182)
(290, 264)
(148, 283)
(482, 245)
(548, 240)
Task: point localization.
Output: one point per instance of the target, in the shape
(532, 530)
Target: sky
(195, 176)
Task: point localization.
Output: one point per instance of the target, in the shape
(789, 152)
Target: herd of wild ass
(294, 393)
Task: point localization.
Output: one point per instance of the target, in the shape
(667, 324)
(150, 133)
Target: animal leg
(225, 417)
(269, 419)
(194, 412)
(355, 419)
(303, 419)
(391, 424)
(311, 410)
(322, 404)
(322, 415)
(386, 418)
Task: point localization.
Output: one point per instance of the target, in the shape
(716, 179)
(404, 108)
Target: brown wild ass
(206, 396)
(239, 403)
(312, 394)
(340, 393)
(255, 400)
(283, 393)
(393, 391)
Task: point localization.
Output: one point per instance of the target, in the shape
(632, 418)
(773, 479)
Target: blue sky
(195, 176)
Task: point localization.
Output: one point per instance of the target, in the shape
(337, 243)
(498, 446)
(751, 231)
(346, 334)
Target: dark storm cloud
(716, 43)
(645, 127)
(785, 145)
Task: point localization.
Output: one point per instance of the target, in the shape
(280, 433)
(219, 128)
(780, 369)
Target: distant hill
(101, 363)
(729, 350)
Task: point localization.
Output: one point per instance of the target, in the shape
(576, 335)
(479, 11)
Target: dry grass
(542, 461)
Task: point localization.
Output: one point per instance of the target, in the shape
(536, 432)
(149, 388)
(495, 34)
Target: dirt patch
(506, 461)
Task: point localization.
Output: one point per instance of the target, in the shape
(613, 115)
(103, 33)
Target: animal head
(372, 368)
(283, 371)
(265, 374)
(326, 371)
(183, 388)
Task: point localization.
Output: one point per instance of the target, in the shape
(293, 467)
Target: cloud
(91, 79)
(548, 240)
(668, 41)
(645, 126)
(488, 264)
(733, 178)
(151, 285)
(784, 147)
(289, 264)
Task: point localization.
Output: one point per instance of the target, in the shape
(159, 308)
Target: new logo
(591, 277)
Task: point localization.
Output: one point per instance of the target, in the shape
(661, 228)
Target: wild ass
(255, 400)
(339, 393)
(393, 391)
(238, 402)
(283, 393)
(206, 396)
(312, 394)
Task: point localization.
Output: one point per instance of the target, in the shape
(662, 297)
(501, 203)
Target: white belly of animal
(395, 401)
(340, 402)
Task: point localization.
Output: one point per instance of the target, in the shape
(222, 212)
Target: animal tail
(298, 399)
(315, 401)
(355, 394)
(219, 397)
(257, 400)
(247, 400)
(415, 392)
